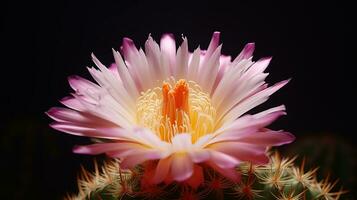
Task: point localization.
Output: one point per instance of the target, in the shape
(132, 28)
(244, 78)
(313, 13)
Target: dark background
(44, 42)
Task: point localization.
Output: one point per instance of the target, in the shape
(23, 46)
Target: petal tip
(291, 137)
(216, 34)
(54, 125)
(73, 80)
(183, 177)
(51, 111)
(249, 46)
(72, 77)
(167, 36)
(267, 58)
(127, 41)
(215, 38)
(282, 83)
(64, 99)
(79, 149)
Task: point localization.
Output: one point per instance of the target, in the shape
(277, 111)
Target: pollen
(176, 107)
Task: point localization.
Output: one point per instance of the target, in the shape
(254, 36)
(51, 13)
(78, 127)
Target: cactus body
(279, 179)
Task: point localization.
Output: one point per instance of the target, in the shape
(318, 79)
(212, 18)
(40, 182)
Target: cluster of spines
(279, 179)
(110, 183)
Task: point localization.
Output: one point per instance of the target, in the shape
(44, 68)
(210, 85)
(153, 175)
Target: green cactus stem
(279, 179)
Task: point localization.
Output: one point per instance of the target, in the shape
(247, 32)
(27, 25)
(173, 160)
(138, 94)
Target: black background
(44, 42)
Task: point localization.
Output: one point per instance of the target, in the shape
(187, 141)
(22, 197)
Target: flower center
(176, 107)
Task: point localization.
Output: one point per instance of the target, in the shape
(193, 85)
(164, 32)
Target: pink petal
(252, 102)
(199, 156)
(213, 44)
(224, 61)
(128, 47)
(71, 116)
(269, 138)
(168, 49)
(72, 103)
(230, 173)
(168, 44)
(162, 170)
(246, 53)
(100, 148)
(234, 87)
(203, 141)
(194, 64)
(80, 130)
(83, 124)
(258, 67)
(130, 153)
(223, 160)
(114, 69)
(181, 142)
(132, 56)
(182, 60)
(80, 84)
(147, 137)
(209, 69)
(197, 178)
(181, 167)
(111, 83)
(259, 120)
(127, 79)
(242, 151)
(152, 51)
(248, 124)
(137, 157)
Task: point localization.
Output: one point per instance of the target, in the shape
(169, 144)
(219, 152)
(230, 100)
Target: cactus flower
(178, 110)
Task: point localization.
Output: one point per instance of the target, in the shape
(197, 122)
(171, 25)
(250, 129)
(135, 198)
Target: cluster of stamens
(176, 107)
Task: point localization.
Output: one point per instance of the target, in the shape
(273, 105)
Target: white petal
(168, 49)
(252, 102)
(182, 60)
(194, 64)
(152, 50)
(125, 76)
(208, 71)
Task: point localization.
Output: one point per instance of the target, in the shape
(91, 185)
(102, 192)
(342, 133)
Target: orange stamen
(175, 102)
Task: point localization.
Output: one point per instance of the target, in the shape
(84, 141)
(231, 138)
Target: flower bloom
(178, 110)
